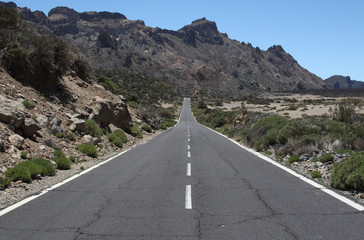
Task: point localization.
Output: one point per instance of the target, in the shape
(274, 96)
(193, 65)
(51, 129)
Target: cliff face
(197, 58)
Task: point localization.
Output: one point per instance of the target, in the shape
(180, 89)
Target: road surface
(187, 183)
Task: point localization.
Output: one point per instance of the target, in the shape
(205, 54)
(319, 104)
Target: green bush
(28, 104)
(58, 153)
(19, 173)
(202, 105)
(293, 158)
(349, 175)
(58, 134)
(5, 182)
(135, 131)
(326, 158)
(118, 138)
(167, 124)
(47, 167)
(93, 129)
(88, 148)
(316, 174)
(34, 168)
(133, 104)
(147, 128)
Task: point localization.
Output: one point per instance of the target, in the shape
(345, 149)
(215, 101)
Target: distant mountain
(341, 82)
(198, 59)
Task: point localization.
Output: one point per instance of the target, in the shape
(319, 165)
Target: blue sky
(325, 36)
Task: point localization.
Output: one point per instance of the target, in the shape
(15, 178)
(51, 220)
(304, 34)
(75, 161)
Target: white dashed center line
(189, 154)
(188, 169)
(188, 200)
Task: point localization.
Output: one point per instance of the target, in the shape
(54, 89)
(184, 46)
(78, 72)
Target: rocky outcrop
(106, 112)
(12, 112)
(29, 127)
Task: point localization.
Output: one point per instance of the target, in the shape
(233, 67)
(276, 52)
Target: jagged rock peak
(202, 30)
(201, 25)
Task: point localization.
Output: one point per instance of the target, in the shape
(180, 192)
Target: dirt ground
(307, 105)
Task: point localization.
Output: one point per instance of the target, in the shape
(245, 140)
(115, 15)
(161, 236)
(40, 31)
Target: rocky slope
(341, 82)
(198, 59)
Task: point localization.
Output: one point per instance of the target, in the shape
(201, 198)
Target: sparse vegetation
(93, 129)
(63, 163)
(89, 149)
(19, 172)
(293, 158)
(147, 128)
(349, 175)
(28, 104)
(316, 174)
(118, 138)
(47, 167)
(135, 131)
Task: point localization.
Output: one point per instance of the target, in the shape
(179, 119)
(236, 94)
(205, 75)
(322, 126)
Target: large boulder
(29, 127)
(55, 125)
(106, 112)
(12, 112)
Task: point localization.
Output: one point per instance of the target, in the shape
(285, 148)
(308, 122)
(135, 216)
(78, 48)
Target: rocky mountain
(198, 59)
(341, 82)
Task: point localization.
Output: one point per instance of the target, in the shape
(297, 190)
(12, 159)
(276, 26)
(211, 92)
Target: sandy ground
(279, 105)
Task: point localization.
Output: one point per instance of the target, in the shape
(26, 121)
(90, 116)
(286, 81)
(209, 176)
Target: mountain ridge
(197, 58)
(344, 82)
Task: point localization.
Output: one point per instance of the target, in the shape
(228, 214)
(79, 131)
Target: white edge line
(188, 200)
(188, 169)
(303, 178)
(28, 199)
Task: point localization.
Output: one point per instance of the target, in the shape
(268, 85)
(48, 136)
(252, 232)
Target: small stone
(42, 147)
(18, 182)
(361, 195)
(16, 140)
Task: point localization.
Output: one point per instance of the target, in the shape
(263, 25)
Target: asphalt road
(187, 183)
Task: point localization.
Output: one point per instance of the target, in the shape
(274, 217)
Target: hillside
(198, 59)
(341, 82)
(51, 107)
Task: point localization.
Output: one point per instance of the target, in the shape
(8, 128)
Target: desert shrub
(93, 129)
(33, 167)
(292, 107)
(147, 128)
(167, 123)
(346, 111)
(47, 167)
(326, 158)
(58, 134)
(63, 163)
(88, 148)
(5, 182)
(58, 153)
(293, 158)
(135, 131)
(349, 175)
(118, 138)
(28, 104)
(316, 174)
(19, 172)
(309, 139)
